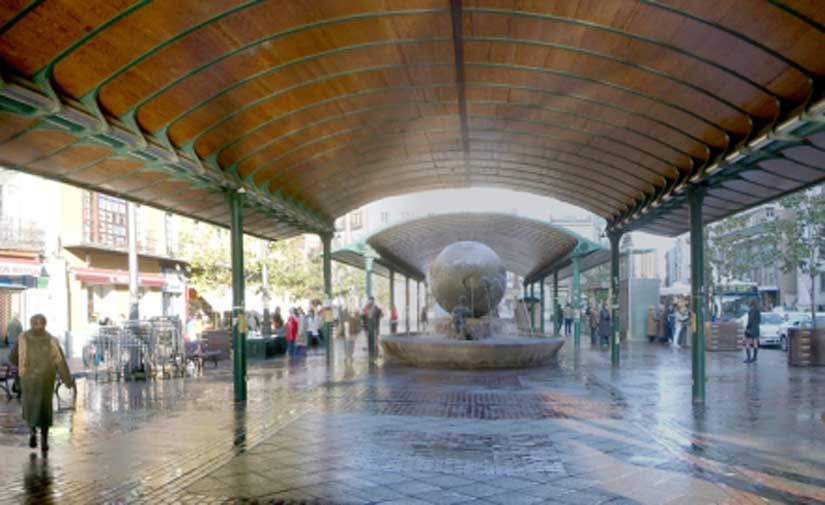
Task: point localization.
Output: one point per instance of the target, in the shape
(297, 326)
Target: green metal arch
(297, 61)
(489, 118)
(350, 146)
(316, 140)
(375, 147)
(551, 173)
(623, 33)
(534, 177)
(620, 61)
(738, 35)
(560, 191)
(189, 146)
(795, 13)
(546, 167)
(130, 116)
(216, 153)
(576, 22)
(232, 168)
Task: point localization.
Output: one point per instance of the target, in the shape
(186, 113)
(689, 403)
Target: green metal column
(368, 271)
(615, 349)
(577, 317)
(407, 302)
(556, 303)
(238, 304)
(418, 306)
(696, 195)
(370, 329)
(327, 241)
(392, 295)
(541, 305)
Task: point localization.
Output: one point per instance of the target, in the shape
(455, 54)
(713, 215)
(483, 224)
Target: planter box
(723, 336)
(806, 347)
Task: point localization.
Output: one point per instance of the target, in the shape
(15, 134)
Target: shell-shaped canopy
(318, 107)
(524, 245)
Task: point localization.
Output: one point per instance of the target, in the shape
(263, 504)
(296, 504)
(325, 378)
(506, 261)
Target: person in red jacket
(393, 320)
(291, 333)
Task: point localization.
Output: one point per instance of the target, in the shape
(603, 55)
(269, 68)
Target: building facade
(63, 253)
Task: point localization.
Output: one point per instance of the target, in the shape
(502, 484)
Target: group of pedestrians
(676, 321)
(599, 319)
(302, 329)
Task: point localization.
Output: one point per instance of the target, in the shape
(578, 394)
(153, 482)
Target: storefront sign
(14, 267)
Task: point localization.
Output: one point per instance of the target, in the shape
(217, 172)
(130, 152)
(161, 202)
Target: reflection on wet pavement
(575, 432)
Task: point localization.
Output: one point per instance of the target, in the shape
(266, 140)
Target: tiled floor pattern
(577, 432)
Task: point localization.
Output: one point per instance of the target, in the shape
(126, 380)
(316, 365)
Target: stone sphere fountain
(468, 269)
(473, 271)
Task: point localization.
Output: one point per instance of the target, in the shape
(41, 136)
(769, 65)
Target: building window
(339, 224)
(171, 235)
(104, 220)
(356, 220)
(822, 281)
(385, 217)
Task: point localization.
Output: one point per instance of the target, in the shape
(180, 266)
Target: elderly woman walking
(39, 359)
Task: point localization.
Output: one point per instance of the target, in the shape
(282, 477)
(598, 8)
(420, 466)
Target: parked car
(768, 327)
(792, 320)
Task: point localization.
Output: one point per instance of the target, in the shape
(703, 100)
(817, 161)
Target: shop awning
(16, 267)
(117, 277)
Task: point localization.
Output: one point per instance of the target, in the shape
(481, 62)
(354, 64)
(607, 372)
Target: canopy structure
(526, 246)
(316, 108)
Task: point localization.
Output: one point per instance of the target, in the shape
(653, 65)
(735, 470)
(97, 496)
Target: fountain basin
(496, 352)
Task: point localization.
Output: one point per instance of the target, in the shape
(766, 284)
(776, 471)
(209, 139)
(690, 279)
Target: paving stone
(576, 432)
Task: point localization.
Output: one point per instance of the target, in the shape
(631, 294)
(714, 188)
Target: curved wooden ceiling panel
(316, 107)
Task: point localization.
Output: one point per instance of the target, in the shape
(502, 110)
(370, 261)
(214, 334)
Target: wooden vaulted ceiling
(315, 108)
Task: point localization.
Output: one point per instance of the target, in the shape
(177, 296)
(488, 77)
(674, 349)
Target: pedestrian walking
(291, 332)
(424, 318)
(39, 360)
(13, 330)
(313, 327)
(682, 318)
(278, 319)
(303, 332)
(393, 320)
(568, 320)
(652, 324)
(604, 324)
(593, 322)
(752, 332)
(671, 323)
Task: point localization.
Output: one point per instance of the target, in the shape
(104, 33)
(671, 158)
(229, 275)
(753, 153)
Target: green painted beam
(130, 115)
(662, 44)
(381, 127)
(283, 171)
(22, 99)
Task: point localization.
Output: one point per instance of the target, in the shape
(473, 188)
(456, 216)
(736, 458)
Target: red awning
(13, 265)
(117, 277)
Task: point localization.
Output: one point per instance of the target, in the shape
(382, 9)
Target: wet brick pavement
(576, 432)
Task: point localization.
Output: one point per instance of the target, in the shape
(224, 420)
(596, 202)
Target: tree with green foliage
(798, 242)
(727, 250)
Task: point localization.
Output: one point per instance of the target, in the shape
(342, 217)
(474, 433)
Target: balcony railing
(25, 236)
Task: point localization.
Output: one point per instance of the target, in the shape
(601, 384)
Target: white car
(769, 323)
(792, 320)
